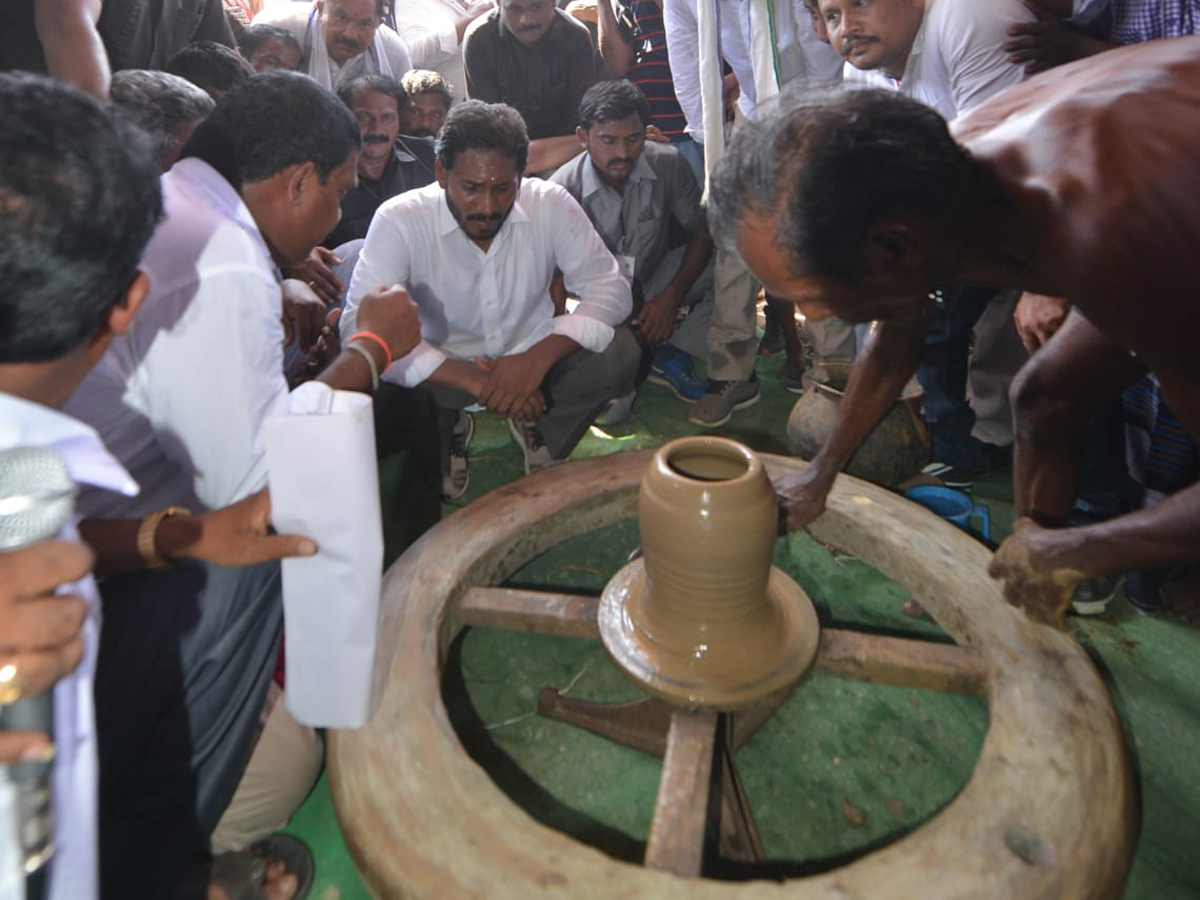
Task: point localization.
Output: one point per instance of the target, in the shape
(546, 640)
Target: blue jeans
(943, 374)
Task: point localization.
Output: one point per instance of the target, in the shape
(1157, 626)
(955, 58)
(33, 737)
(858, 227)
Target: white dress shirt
(387, 54)
(74, 869)
(427, 28)
(958, 58)
(802, 57)
(495, 303)
(179, 399)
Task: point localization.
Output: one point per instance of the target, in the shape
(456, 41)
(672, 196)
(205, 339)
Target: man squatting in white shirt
(477, 252)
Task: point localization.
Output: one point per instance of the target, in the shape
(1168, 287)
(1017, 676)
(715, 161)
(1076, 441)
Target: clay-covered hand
(317, 272)
(1035, 578)
(303, 314)
(802, 496)
(657, 318)
(240, 535)
(1037, 317)
(391, 314)
(39, 630)
(513, 389)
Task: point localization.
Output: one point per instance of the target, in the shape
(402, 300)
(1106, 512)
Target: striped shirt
(651, 71)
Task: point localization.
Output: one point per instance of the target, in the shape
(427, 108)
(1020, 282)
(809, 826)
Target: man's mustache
(376, 139)
(851, 43)
(612, 163)
(479, 217)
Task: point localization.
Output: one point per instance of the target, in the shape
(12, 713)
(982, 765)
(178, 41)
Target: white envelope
(325, 484)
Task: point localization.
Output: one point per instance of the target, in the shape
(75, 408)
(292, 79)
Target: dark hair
(384, 84)
(383, 8)
(79, 199)
(211, 66)
(829, 165)
(253, 36)
(475, 125)
(608, 101)
(162, 105)
(274, 120)
(427, 81)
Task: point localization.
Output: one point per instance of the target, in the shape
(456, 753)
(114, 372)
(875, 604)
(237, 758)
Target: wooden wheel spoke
(543, 612)
(901, 662)
(681, 810)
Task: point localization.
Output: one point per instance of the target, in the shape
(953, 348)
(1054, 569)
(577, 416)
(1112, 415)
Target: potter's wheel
(1048, 812)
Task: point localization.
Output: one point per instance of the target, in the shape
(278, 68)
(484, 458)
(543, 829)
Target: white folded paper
(325, 484)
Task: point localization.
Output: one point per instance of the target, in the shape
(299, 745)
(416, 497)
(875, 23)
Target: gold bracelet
(149, 529)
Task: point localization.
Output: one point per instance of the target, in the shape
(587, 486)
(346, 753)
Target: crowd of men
(468, 208)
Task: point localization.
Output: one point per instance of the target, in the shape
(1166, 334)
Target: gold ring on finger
(10, 684)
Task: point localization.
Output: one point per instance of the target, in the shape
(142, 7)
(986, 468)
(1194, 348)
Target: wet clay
(703, 619)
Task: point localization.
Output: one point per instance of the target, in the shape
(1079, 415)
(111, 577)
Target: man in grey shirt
(644, 201)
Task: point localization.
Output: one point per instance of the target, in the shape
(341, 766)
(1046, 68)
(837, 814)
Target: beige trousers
(284, 766)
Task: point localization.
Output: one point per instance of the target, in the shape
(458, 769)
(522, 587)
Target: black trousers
(186, 656)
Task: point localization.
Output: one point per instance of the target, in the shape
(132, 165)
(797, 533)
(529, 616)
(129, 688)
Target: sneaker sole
(744, 404)
(466, 446)
(669, 385)
(1089, 607)
(939, 470)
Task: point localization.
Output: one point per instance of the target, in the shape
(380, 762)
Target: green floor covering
(843, 767)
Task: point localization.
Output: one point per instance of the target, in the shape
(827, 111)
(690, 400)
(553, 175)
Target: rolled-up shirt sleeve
(591, 273)
(384, 262)
(429, 47)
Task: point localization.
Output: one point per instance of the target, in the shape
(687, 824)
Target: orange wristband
(372, 336)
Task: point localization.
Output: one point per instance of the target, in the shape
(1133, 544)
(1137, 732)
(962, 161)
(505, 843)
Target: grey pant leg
(732, 332)
(692, 334)
(348, 254)
(578, 387)
(186, 656)
(832, 340)
(997, 355)
(294, 358)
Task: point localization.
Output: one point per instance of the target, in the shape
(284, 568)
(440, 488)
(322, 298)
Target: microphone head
(36, 496)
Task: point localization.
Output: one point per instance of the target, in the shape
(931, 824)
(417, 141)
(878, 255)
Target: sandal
(242, 874)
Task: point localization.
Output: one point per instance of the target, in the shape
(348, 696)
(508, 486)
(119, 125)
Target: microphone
(37, 498)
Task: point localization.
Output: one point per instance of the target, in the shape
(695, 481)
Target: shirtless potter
(1080, 183)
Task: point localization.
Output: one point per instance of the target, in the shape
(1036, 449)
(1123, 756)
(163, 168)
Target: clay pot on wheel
(703, 619)
(894, 452)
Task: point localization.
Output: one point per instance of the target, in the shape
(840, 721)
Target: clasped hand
(511, 387)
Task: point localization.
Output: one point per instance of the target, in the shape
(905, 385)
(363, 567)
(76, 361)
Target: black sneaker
(1092, 595)
(985, 458)
(772, 341)
(457, 474)
(529, 438)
